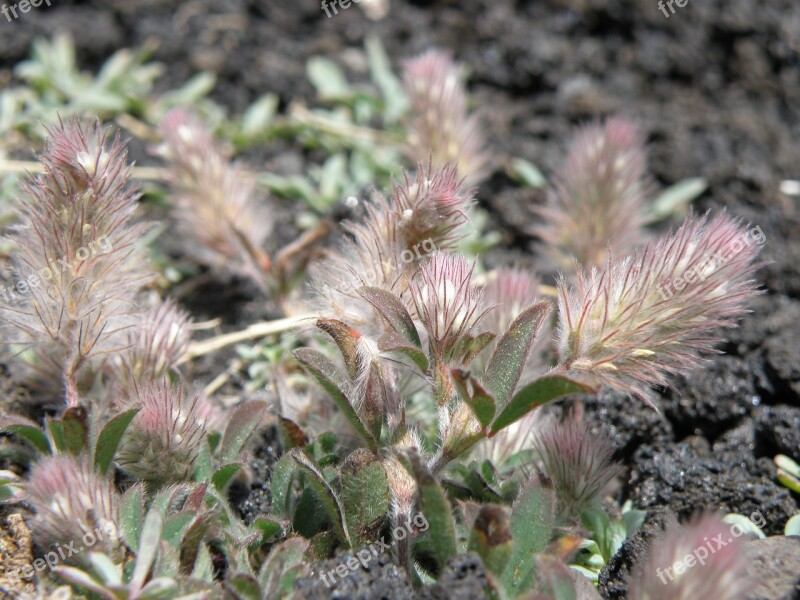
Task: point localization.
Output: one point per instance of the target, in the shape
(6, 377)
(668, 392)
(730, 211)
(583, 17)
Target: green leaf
(792, 526)
(380, 69)
(175, 525)
(192, 540)
(491, 538)
(324, 492)
(148, 548)
(224, 474)
(511, 352)
(744, 524)
(532, 522)
(109, 438)
(332, 381)
(327, 77)
(437, 511)
(676, 199)
(27, 430)
(269, 528)
(365, 495)
(244, 420)
(469, 347)
(373, 406)
(526, 173)
(543, 390)
(283, 565)
(605, 533)
(788, 465)
(258, 115)
(392, 309)
(391, 341)
(281, 485)
(244, 587)
(55, 432)
(203, 469)
(477, 398)
(75, 430)
(131, 512)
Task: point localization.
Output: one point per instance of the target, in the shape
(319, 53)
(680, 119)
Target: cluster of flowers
(398, 277)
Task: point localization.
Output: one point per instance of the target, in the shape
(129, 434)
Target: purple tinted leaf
(507, 362)
(333, 382)
(543, 390)
(393, 310)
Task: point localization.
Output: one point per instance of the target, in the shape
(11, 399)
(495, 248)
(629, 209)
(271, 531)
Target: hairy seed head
(655, 313)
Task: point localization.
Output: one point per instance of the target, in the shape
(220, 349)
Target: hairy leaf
(508, 359)
(393, 310)
(109, 438)
(328, 376)
(543, 390)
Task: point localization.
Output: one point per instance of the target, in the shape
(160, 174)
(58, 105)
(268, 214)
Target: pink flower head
(431, 207)
(71, 501)
(446, 302)
(215, 200)
(654, 313)
(712, 570)
(598, 201)
(579, 463)
(156, 344)
(506, 295)
(163, 441)
(440, 125)
(424, 215)
(79, 259)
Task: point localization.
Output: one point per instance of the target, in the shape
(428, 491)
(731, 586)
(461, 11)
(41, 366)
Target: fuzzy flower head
(163, 441)
(579, 464)
(446, 302)
(215, 200)
(717, 571)
(423, 216)
(431, 207)
(440, 125)
(598, 200)
(652, 314)
(79, 260)
(156, 345)
(506, 295)
(73, 503)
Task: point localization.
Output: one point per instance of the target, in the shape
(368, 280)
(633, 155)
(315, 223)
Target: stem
(27, 166)
(256, 330)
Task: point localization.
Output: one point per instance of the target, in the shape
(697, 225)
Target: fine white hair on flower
(597, 203)
(71, 500)
(440, 125)
(578, 462)
(446, 302)
(700, 560)
(656, 313)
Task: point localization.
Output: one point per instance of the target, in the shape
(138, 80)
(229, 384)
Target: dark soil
(716, 86)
